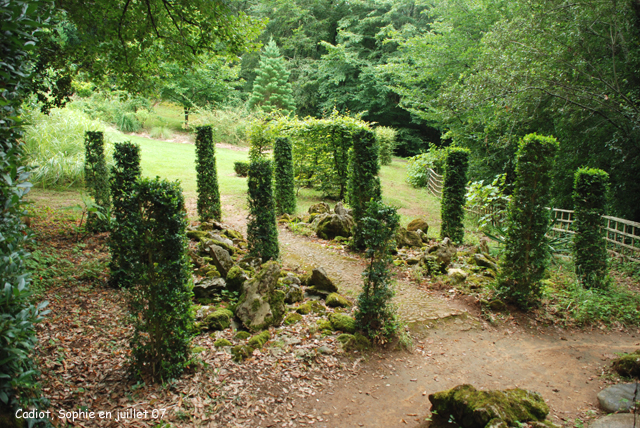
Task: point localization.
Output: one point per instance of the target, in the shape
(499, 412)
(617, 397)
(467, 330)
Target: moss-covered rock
(342, 322)
(218, 320)
(259, 340)
(197, 235)
(242, 335)
(480, 409)
(353, 342)
(418, 224)
(222, 342)
(292, 318)
(232, 234)
(198, 349)
(312, 306)
(261, 304)
(334, 225)
(236, 278)
(241, 352)
(324, 325)
(628, 365)
(334, 300)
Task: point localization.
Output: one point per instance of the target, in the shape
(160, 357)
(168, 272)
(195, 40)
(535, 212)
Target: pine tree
(271, 89)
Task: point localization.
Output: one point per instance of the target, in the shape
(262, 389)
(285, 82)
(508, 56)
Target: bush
(160, 303)
(97, 181)
(364, 184)
(262, 232)
(453, 194)
(160, 133)
(386, 139)
(590, 247)
(241, 168)
(230, 125)
(526, 250)
(207, 178)
(285, 193)
(126, 112)
(123, 178)
(54, 146)
(417, 166)
(375, 316)
(489, 200)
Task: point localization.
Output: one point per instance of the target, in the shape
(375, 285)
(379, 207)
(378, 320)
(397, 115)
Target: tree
(271, 88)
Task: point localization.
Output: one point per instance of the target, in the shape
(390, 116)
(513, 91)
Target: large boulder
(320, 283)
(333, 225)
(485, 261)
(407, 238)
(261, 304)
(618, 398)
(479, 409)
(319, 208)
(220, 258)
(418, 224)
(208, 288)
(619, 420)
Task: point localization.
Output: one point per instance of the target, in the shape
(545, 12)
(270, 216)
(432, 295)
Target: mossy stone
(628, 365)
(342, 322)
(324, 325)
(241, 352)
(236, 278)
(312, 306)
(198, 349)
(334, 300)
(242, 335)
(221, 343)
(259, 340)
(197, 235)
(218, 320)
(292, 318)
(352, 342)
(232, 234)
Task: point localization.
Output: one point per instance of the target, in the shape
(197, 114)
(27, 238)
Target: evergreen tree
(271, 89)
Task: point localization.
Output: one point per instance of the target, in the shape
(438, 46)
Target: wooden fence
(622, 236)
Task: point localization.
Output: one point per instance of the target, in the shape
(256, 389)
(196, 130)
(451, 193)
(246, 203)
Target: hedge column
(285, 192)
(124, 174)
(262, 232)
(453, 194)
(96, 177)
(526, 249)
(207, 176)
(590, 247)
(364, 184)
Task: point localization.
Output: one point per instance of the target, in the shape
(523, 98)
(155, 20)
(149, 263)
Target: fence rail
(622, 236)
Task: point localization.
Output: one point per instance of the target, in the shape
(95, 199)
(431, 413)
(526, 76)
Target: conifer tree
(271, 88)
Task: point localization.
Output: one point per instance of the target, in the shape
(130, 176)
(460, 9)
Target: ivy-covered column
(453, 194)
(262, 231)
(590, 247)
(96, 178)
(207, 176)
(526, 252)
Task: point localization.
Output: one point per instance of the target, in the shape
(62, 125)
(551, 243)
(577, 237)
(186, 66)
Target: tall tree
(271, 88)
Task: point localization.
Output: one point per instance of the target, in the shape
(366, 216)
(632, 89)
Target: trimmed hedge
(96, 178)
(285, 192)
(207, 176)
(262, 231)
(526, 252)
(241, 168)
(364, 183)
(160, 302)
(124, 174)
(590, 247)
(453, 194)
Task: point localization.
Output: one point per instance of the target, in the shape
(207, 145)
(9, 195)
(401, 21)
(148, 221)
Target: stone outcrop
(619, 398)
(418, 224)
(261, 304)
(407, 238)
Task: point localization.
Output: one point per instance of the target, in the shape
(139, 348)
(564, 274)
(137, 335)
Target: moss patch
(628, 365)
(198, 349)
(218, 320)
(313, 306)
(221, 343)
(241, 352)
(292, 318)
(342, 322)
(334, 300)
(235, 278)
(259, 340)
(242, 335)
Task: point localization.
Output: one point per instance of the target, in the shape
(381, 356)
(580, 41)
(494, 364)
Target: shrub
(375, 316)
(230, 124)
(417, 166)
(241, 168)
(160, 303)
(126, 112)
(285, 193)
(364, 184)
(453, 194)
(97, 181)
(526, 249)
(386, 139)
(262, 232)
(207, 178)
(590, 248)
(123, 178)
(54, 146)
(489, 201)
(160, 132)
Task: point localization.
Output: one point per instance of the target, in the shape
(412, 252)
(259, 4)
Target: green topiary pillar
(453, 194)
(590, 247)
(96, 177)
(526, 251)
(285, 191)
(262, 231)
(207, 176)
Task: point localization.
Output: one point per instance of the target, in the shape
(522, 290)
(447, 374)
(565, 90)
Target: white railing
(622, 236)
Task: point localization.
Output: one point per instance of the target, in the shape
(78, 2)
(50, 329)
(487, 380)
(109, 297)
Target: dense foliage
(262, 231)
(241, 168)
(160, 301)
(364, 183)
(375, 314)
(386, 138)
(418, 166)
(453, 194)
(590, 247)
(96, 177)
(207, 176)
(271, 89)
(124, 175)
(285, 194)
(526, 252)
(20, 22)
